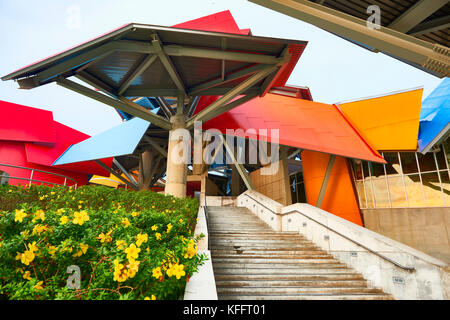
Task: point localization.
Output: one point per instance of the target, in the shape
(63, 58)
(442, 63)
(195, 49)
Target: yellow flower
(126, 222)
(52, 250)
(180, 221)
(27, 257)
(39, 228)
(191, 249)
(120, 244)
(169, 227)
(81, 201)
(157, 273)
(42, 198)
(64, 220)
(20, 214)
(27, 275)
(38, 286)
(105, 237)
(135, 214)
(80, 217)
(120, 274)
(59, 211)
(153, 207)
(132, 252)
(133, 268)
(176, 270)
(141, 238)
(154, 227)
(52, 193)
(158, 236)
(153, 297)
(32, 246)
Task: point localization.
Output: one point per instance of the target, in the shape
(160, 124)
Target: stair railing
(33, 170)
(410, 269)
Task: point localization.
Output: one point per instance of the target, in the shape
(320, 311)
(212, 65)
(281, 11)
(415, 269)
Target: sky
(334, 69)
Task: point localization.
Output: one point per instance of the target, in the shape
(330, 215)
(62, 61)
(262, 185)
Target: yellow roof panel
(389, 122)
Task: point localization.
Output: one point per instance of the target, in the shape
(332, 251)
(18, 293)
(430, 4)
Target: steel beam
(230, 105)
(104, 166)
(144, 65)
(326, 178)
(240, 168)
(432, 57)
(230, 77)
(168, 65)
(123, 104)
(156, 145)
(193, 106)
(239, 89)
(125, 172)
(430, 26)
(418, 12)
(167, 109)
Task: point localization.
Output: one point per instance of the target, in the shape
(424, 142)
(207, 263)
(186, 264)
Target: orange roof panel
(301, 123)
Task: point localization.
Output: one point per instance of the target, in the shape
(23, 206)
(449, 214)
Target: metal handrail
(35, 180)
(342, 235)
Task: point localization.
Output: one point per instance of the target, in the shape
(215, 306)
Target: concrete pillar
(145, 168)
(176, 174)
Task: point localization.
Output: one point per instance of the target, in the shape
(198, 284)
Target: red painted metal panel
(13, 152)
(21, 123)
(301, 123)
(217, 22)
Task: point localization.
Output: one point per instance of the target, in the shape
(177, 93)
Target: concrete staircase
(251, 261)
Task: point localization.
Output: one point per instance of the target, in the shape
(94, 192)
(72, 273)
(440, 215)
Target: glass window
(426, 162)
(376, 169)
(409, 163)
(361, 195)
(414, 191)
(397, 191)
(393, 165)
(381, 192)
(446, 146)
(446, 186)
(365, 168)
(432, 189)
(356, 164)
(440, 157)
(370, 195)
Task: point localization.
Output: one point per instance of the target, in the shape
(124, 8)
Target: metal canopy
(139, 60)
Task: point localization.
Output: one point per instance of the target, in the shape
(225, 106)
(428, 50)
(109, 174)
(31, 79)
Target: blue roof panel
(435, 117)
(117, 141)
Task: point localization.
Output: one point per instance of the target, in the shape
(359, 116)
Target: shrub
(126, 244)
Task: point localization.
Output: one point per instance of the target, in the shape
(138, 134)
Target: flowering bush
(125, 244)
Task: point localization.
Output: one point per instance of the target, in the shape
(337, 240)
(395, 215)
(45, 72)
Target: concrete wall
(275, 186)
(354, 245)
(425, 229)
(202, 285)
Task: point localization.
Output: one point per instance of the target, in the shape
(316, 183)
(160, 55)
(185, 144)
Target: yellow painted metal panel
(389, 122)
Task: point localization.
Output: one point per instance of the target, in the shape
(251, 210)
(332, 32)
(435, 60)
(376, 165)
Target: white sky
(334, 69)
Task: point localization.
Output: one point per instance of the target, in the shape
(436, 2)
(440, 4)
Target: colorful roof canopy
(387, 122)
(110, 60)
(117, 141)
(43, 138)
(435, 117)
(301, 123)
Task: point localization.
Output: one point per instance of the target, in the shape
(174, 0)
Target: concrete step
(219, 232)
(247, 261)
(275, 266)
(261, 248)
(316, 270)
(271, 258)
(258, 237)
(297, 290)
(288, 277)
(266, 253)
(293, 283)
(305, 297)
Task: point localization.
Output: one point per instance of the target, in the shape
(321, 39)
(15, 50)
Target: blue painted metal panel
(117, 141)
(434, 115)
